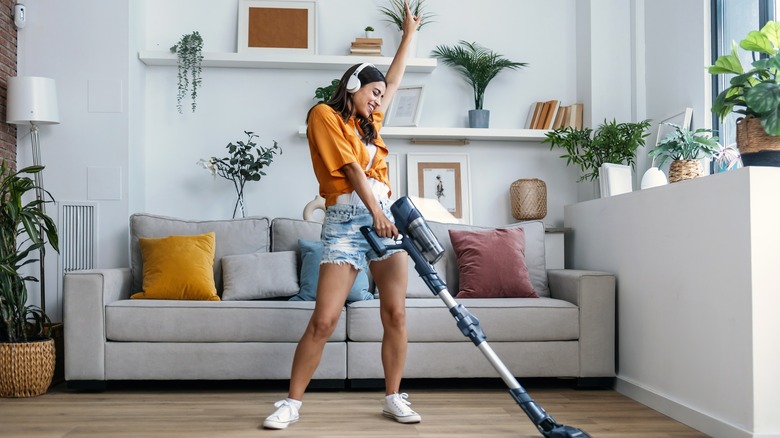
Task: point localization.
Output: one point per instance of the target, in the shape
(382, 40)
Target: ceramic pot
(479, 118)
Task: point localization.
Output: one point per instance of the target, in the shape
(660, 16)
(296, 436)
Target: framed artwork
(406, 106)
(443, 177)
(683, 119)
(392, 173)
(279, 26)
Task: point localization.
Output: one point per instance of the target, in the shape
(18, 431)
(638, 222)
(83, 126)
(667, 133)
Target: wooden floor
(231, 409)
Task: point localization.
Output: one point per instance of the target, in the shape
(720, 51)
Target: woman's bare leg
(334, 284)
(391, 278)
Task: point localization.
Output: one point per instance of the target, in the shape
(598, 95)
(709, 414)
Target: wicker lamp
(529, 199)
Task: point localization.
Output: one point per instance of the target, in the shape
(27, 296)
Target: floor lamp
(33, 101)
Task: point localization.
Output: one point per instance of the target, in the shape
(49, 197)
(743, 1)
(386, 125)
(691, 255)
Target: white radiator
(78, 238)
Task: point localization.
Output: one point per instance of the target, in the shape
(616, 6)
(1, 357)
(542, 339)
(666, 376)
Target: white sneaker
(397, 407)
(285, 415)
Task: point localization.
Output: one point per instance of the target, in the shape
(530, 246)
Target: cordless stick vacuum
(417, 239)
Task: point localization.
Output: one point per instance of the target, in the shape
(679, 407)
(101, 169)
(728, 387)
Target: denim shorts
(342, 241)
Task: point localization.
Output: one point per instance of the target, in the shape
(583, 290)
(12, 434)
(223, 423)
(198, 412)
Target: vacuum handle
(373, 239)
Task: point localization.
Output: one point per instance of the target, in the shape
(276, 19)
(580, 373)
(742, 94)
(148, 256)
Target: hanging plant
(189, 51)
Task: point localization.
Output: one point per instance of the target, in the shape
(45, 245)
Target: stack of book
(551, 115)
(366, 47)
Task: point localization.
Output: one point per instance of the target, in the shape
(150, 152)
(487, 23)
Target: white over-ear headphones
(353, 83)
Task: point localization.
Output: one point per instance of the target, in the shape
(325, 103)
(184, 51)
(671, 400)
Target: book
(368, 41)
(542, 115)
(575, 116)
(549, 117)
(533, 115)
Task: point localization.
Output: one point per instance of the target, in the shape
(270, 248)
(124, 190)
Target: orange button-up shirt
(333, 144)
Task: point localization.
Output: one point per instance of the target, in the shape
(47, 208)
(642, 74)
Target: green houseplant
(685, 147)
(24, 338)
(611, 142)
(753, 92)
(323, 94)
(245, 163)
(479, 66)
(189, 55)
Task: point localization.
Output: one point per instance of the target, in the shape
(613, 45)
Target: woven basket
(681, 170)
(751, 137)
(529, 199)
(26, 368)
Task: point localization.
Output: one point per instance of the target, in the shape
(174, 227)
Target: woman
(348, 157)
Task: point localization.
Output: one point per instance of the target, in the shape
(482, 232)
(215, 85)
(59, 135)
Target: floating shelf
(306, 62)
(454, 135)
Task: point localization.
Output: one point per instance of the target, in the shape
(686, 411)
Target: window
(731, 21)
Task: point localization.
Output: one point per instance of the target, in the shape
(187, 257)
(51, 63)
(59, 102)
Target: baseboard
(680, 412)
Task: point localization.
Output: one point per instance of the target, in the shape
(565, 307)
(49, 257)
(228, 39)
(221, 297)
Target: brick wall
(7, 68)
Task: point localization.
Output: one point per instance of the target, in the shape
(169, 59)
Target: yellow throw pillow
(178, 268)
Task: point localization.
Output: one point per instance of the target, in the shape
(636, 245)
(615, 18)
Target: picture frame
(392, 174)
(277, 26)
(683, 119)
(442, 177)
(406, 107)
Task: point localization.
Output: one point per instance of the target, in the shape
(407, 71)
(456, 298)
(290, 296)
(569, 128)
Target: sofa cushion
(285, 233)
(260, 275)
(502, 319)
(178, 268)
(491, 263)
(211, 321)
(311, 256)
(233, 236)
(534, 252)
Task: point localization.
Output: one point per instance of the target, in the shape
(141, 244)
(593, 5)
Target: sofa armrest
(85, 295)
(594, 293)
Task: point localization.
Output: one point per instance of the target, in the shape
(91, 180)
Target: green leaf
(728, 63)
(756, 41)
(771, 122)
(764, 97)
(772, 31)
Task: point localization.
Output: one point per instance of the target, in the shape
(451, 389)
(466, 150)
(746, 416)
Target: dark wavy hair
(341, 101)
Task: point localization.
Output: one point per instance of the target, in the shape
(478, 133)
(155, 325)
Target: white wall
(697, 301)
(120, 125)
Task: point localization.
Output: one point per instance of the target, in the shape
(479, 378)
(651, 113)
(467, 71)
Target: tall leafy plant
(611, 142)
(189, 53)
(477, 64)
(753, 92)
(24, 230)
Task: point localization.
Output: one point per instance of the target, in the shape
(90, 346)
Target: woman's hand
(384, 227)
(411, 22)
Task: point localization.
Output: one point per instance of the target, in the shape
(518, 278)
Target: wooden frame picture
(406, 106)
(278, 26)
(443, 177)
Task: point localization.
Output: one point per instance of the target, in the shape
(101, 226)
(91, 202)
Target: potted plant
(189, 55)
(612, 142)
(323, 94)
(369, 32)
(27, 354)
(685, 148)
(755, 94)
(479, 66)
(396, 12)
(245, 163)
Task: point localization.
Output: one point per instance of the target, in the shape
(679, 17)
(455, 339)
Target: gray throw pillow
(260, 275)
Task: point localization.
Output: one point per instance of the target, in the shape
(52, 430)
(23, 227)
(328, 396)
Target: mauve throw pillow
(491, 264)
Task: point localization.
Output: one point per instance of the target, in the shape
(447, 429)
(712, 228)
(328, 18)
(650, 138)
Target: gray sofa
(568, 332)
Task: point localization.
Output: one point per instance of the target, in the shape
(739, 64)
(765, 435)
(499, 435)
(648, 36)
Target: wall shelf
(452, 135)
(304, 62)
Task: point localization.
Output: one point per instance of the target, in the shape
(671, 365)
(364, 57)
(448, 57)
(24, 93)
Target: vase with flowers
(245, 163)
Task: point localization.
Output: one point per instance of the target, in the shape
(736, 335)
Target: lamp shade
(32, 100)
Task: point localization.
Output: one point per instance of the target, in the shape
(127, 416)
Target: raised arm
(396, 71)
